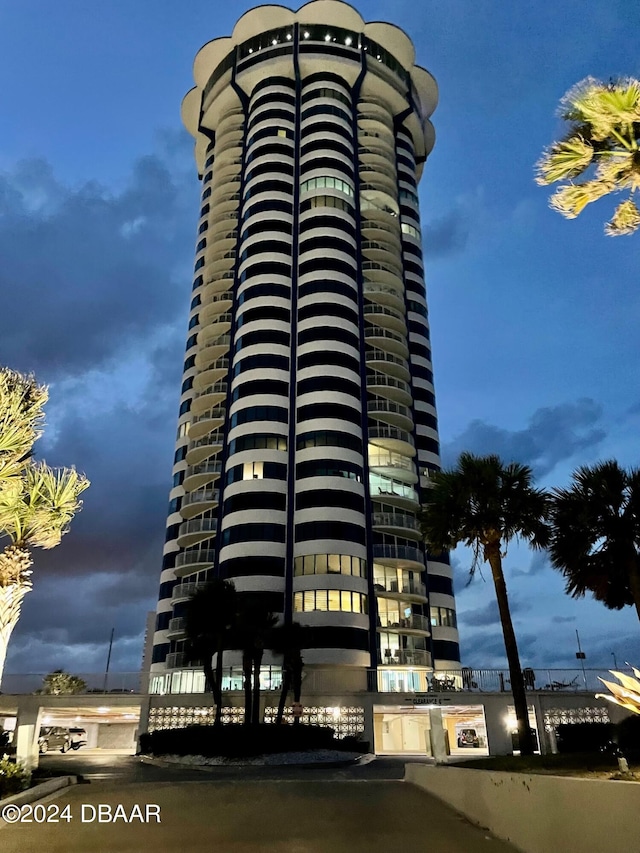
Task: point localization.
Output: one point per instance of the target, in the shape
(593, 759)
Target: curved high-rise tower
(307, 423)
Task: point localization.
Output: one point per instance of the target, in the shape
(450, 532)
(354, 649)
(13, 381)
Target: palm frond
(620, 168)
(604, 106)
(625, 220)
(563, 160)
(570, 200)
(21, 415)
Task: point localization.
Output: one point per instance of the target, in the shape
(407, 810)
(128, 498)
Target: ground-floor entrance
(430, 730)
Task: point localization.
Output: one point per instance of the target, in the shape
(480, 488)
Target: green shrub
(584, 737)
(236, 740)
(13, 778)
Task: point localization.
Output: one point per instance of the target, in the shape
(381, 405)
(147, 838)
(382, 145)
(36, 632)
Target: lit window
(334, 600)
(282, 133)
(252, 470)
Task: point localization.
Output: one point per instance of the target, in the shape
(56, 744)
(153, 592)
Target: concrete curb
(38, 792)
(212, 768)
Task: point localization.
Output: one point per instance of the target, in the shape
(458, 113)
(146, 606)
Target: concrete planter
(536, 813)
(43, 789)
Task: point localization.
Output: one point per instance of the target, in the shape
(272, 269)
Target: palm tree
(209, 618)
(484, 504)
(595, 536)
(603, 144)
(21, 419)
(254, 627)
(287, 640)
(36, 508)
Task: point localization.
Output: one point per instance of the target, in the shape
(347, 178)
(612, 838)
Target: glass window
(334, 600)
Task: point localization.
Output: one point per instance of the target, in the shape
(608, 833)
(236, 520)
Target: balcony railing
(398, 552)
(194, 556)
(407, 587)
(210, 415)
(415, 622)
(391, 433)
(395, 519)
(403, 657)
(201, 496)
(204, 468)
(182, 591)
(198, 525)
(177, 624)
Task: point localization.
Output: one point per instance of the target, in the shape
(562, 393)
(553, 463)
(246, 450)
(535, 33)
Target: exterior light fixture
(288, 36)
(327, 37)
(306, 35)
(348, 41)
(275, 41)
(250, 50)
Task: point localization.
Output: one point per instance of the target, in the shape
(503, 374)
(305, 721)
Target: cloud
(447, 235)
(561, 619)
(94, 270)
(489, 615)
(485, 650)
(554, 434)
(539, 562)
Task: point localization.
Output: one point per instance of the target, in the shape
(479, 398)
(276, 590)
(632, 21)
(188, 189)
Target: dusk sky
(535, 319)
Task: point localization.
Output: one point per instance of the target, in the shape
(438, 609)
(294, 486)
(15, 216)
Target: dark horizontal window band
(273, 132)
(283, 167)
(271, 601)
(328, 468)
(326, 110)
(260, 386)
(336, 384)
(262, 336)
(257, 289)
(258, 441)
(261, 362)
(255, 500)
(327, 263)
(274, 186)
(273, 150)
(329, 411)
(446, 650)
(426, 419)
(439, 583)
(259, 413)
(271, 115)
(328, 333)
(423, 395)
(327, 242)
(335, 638)
(343, 169)
(263, 226)
(339, 530)
(326, 127)
(327, 144)
(254, 565)
(335, 358)
(420, 372)
(276, 205)
(309, 288)
(330, 498)
(325, 220)
(328, 309)
(428, 444)
(166, 588)
(271, 471)
(263, 247)
(241, 533)
(329, 438)
(266, 268)
(418, 349)
(263, 312)
(160, 652)
(274, 97)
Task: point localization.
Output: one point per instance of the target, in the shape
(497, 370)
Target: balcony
(391, 342)
(394, 414)
(175, 660)
(193, 560)
(393, 439)
(210, 374)
(404, 657)
(378, 359)
(395, 587)
(212, 352)
(201, 475)
(395, 389)
(203, 423)
(405, 553)
(176, 627)
(209, 396)
(199, 501)
(415, 622)
(203, 448)
(196, 530)
(394, 521)
(184, 591)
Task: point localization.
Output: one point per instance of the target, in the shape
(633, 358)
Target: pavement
(244, 810)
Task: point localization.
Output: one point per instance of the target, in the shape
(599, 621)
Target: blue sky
(534, 318)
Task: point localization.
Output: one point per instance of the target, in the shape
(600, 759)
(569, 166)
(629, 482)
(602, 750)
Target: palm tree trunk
(633, 570)
(11, 596)
(218, 681)
(492, 554)
(297, 685)
(257, 662)
(247, 672)
(284, 691)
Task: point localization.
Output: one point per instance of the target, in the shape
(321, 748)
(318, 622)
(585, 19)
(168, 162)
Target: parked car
(468, 738)
(78, 738)
(54, 737)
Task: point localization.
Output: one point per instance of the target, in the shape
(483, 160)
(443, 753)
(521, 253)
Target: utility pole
(106, 671)
(581, 657)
